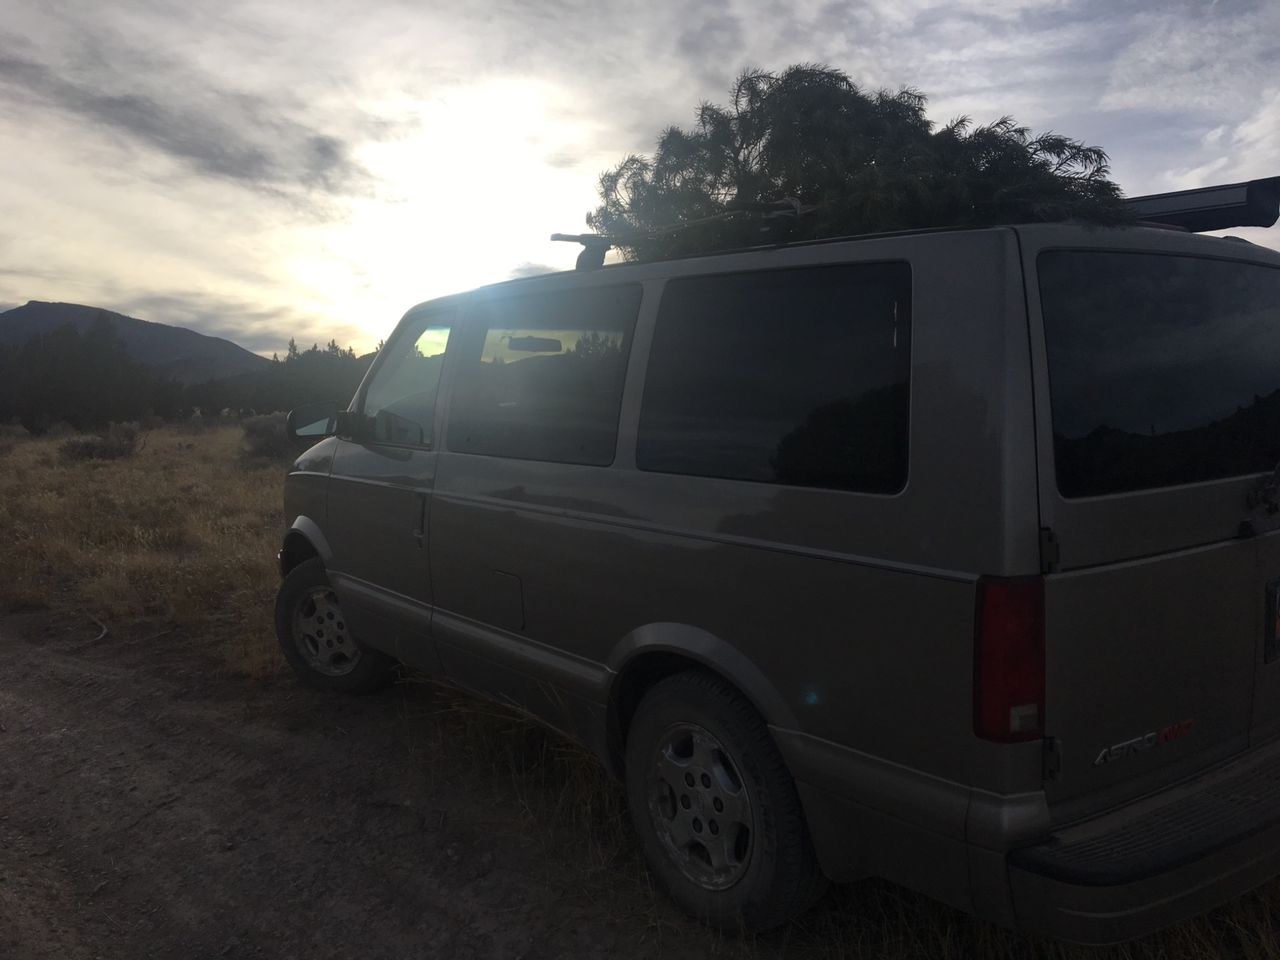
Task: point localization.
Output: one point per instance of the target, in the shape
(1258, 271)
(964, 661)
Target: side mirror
(313, 421)
(352, 426)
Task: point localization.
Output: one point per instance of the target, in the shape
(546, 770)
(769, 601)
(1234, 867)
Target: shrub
(118, 441)
(265, 437)
(191, 426)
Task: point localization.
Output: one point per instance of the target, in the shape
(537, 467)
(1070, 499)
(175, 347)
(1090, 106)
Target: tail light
(1008, 660)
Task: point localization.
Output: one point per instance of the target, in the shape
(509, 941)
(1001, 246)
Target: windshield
(1163, 370)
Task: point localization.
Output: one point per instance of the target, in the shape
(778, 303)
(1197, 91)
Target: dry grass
(185, 531)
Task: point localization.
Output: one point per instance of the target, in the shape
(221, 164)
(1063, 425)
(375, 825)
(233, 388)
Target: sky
(273, 169)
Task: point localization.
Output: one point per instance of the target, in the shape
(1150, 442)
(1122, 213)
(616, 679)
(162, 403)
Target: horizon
(302, 346)
(252, 176)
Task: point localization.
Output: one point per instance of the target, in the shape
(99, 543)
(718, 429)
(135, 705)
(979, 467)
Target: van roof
(882, 235)
(1064, 228)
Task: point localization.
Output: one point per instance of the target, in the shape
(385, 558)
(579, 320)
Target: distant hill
(174, 352)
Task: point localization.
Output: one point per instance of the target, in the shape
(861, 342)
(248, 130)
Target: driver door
(382, 480)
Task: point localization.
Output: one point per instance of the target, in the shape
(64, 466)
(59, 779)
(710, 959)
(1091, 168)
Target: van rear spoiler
(1253, 203)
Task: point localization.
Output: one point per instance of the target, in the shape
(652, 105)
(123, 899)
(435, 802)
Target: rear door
(519, 571)
(1157, 364)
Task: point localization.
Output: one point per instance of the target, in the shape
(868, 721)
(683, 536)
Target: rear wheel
(316, 639)
(717, 812)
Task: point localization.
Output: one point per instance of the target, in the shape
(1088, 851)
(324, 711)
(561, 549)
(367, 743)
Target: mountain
(176, 352)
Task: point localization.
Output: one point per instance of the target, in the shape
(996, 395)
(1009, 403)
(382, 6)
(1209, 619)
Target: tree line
(88, 380)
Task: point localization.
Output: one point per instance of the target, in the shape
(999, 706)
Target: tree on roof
(850, 161)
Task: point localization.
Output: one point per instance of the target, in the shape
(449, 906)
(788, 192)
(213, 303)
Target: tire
(716, 810)
(315, 638)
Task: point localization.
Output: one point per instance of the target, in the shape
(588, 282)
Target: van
(950, 557)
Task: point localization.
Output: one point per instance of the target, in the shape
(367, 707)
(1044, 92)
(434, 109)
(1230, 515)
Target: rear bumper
(1114, 877)
(1122, 911)
(1157, 860)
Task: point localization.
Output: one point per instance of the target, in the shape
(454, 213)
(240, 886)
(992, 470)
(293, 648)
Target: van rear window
(795, 377)
(1163, 370)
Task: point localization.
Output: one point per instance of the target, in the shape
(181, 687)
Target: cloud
(173, 109)
(26, 272)
(1244, 151)
(531, 270)
(707, 33)
(261, 329)
(1255, 143)
(1195, 61)
(563, 159)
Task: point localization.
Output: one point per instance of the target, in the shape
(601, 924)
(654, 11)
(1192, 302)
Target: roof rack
(1252, 203)
(595, 246)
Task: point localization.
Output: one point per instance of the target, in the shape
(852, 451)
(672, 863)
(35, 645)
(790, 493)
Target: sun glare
(481, 179)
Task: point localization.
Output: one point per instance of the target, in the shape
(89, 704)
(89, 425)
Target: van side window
(795, 376)
(401, 399)
(540, 376)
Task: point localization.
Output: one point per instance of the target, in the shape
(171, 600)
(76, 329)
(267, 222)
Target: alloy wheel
(321, 633)
(700, 807)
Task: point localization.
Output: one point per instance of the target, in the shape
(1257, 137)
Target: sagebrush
(266, 437)
(118, 441)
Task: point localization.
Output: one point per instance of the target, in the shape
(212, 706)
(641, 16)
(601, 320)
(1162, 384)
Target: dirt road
(153, 804)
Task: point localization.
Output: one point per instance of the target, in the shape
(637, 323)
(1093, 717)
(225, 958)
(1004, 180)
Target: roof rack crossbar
(595, 246)
(1251, 203)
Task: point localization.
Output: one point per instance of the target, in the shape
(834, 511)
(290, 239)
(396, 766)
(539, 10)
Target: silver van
(949, 557)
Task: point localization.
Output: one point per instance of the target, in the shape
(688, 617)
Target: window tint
(1162, 369)
(401, 399)
(782, 376)
(540, 376)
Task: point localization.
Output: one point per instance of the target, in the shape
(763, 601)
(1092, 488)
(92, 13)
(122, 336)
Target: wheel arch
(659, 650)
(303, 542)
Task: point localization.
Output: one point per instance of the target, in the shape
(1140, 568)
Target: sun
(468, 196)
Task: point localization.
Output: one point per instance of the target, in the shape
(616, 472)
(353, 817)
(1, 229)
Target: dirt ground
(158, 803)
(153, 804)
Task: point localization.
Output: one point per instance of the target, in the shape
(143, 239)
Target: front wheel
(716, 810)
(316, 639)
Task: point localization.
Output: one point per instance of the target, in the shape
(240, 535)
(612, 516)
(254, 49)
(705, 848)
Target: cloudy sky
(264, 169)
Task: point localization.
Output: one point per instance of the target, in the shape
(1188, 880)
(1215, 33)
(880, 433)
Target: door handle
(420, 528)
